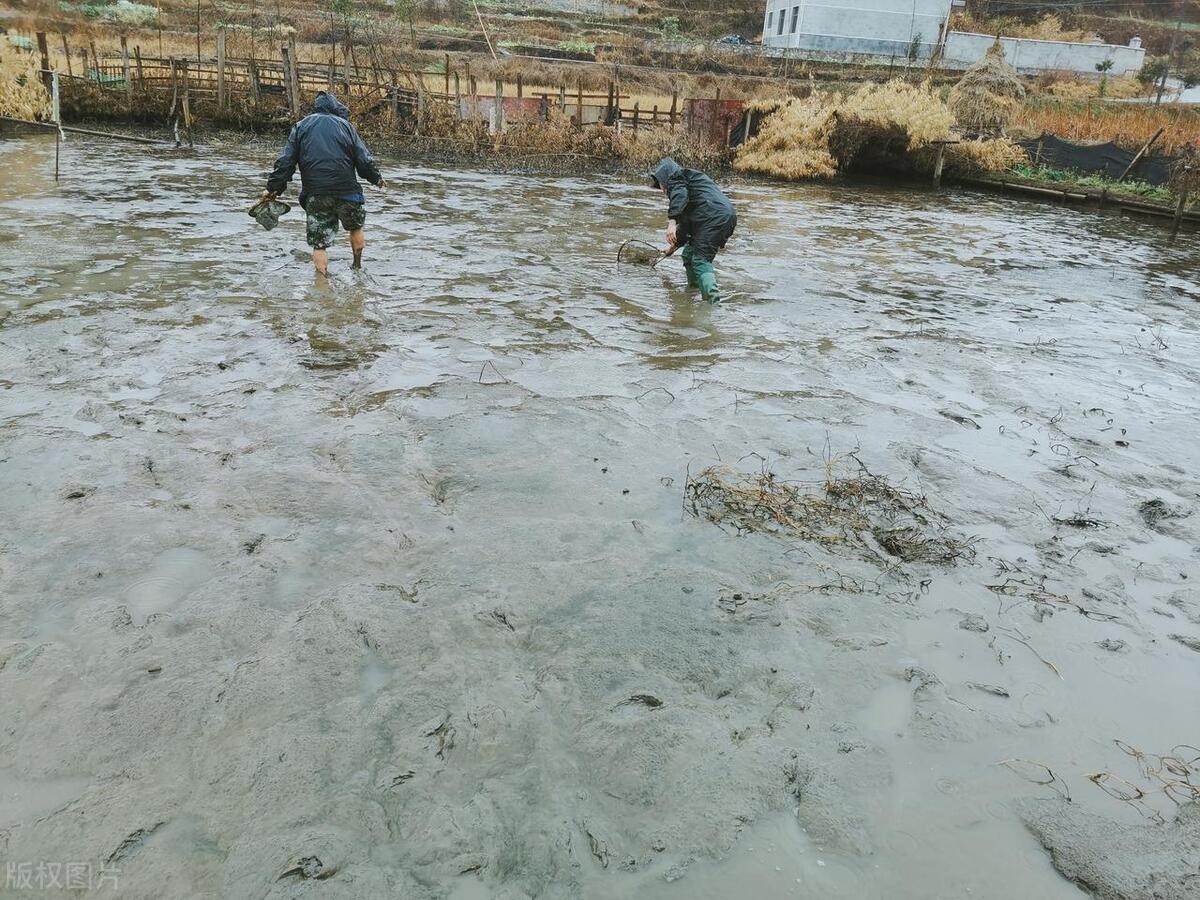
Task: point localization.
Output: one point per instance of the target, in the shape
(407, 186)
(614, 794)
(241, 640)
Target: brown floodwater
(386, 587)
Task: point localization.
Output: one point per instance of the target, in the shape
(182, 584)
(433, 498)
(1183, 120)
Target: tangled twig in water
(864, 511)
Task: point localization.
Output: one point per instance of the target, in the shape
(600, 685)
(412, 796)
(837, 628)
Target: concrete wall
(1028, 55)
(875, 27)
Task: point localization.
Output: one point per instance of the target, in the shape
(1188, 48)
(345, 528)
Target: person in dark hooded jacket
(329, 153)
(701, 219)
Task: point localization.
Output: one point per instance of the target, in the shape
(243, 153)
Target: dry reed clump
(985, 101)
(1129, 125)
(816, 136)
(1074, 87)
(22, 95)
(982, 155)
(863, 511)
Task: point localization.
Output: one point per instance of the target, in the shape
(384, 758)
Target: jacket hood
(327, 103)
(666, 169)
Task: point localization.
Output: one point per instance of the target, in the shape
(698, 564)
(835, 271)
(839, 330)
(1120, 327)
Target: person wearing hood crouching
(701, 219)
(329, 153)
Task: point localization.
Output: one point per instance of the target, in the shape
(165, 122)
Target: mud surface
(387, 588)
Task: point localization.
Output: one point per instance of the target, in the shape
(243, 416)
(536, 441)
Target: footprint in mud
(447, 489)
(174, 575)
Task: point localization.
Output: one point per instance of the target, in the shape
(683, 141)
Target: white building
(899, 29)
(871, 27)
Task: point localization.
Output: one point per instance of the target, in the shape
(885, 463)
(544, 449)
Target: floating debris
(863, 511)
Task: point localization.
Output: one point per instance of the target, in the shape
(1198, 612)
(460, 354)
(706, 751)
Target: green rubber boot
(707, 279)
(689, 266)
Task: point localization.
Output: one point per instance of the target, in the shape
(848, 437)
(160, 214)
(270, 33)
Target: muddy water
(385, 572)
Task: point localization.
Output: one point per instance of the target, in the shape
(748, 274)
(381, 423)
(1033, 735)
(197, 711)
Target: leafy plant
(669, 27)
(577, 46)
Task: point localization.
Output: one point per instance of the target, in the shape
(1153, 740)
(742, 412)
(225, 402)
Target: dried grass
(880, 521)
(987, 98)
(1048, 28)
(1185, 173)
(983, 155)
(819, 135)
(1076, 87)
(22, 95)
(1128, 124)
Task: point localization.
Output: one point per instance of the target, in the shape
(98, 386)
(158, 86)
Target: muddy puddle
(388, 588)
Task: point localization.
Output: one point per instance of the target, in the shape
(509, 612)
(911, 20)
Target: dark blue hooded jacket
(700, 208)
(328, 151)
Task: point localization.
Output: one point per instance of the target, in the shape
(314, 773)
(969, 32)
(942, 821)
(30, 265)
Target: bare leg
(358, 241)
(321, 261)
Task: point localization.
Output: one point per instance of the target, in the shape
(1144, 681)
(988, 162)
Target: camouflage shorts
(324, 213)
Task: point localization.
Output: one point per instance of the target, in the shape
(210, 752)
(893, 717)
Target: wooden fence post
(47, 78)
(562, 97)
(394, 102)
(674, 107)
(1179, 208)
(457, 98)
(636, 111)
(447, 75)
(95, 63)
(520, 87)
(499, 116)
(252, 75)
(420, 104)
(125, 68)
(220, 67)
(579, 103)
(141, 75)
(293, 85)
(66, 52)
(289, 91)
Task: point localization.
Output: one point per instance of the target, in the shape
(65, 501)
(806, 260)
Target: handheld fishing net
(267, 212)
(639, 253)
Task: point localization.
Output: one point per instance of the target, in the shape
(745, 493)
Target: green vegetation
(1070, 179)
(577, 46)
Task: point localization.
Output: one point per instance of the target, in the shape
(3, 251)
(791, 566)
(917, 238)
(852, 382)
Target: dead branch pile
(863, 511)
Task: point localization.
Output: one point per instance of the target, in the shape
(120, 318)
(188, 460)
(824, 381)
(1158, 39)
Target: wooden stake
(1145, 147)
(499, 116)
(420, 104)
(141, 76)
(447, 75)
(125, 70)
(579, 103)
(66, 52)
(221, 67)
(45, 54)
(937, 165)
(293, 85)
(520, 87)
(252, 73)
